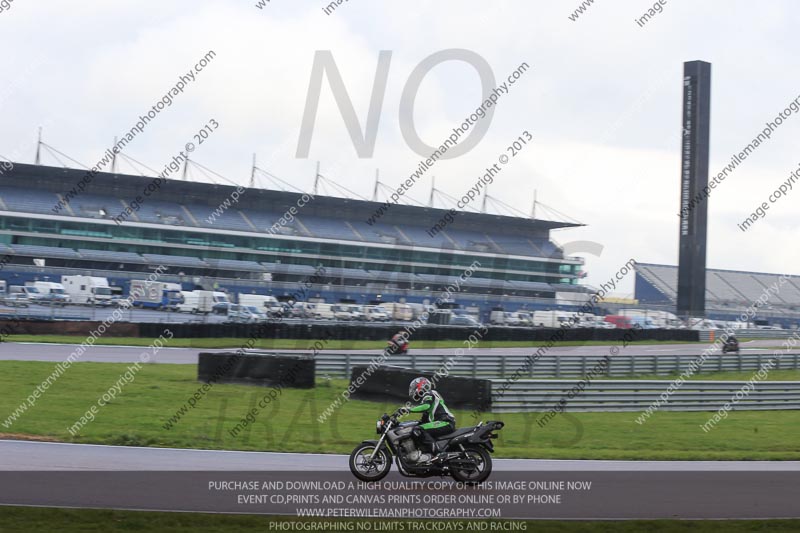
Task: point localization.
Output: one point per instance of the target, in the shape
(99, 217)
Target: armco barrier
(339, 364)
(632, 395)
(387, 383)
(290, 371)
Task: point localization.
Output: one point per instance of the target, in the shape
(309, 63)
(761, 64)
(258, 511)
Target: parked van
(247, 314)
(376, 313)
(269, 304)
(342, 312)
(51, 292)
(321, 311)
(221, 303)
(550, 319)
(32, 294)
(196, 302)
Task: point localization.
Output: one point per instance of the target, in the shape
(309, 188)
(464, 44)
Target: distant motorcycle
(731, 345)
(463, 454)
(398, 344)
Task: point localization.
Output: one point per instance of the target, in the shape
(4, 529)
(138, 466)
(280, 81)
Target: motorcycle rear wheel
(366, 470)
(477, 475)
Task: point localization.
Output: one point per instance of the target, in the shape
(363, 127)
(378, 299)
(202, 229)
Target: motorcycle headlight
(379, 427)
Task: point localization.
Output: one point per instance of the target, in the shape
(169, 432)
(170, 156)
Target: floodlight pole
(38, 158)
(114, 158)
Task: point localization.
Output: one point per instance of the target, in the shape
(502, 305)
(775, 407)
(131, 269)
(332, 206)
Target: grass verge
(138, 416)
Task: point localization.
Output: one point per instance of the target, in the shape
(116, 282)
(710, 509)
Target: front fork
(380, 442)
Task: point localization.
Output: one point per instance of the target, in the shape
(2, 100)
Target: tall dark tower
(694, 179)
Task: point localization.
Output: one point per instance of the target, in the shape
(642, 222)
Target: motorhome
(87, 290)
(155, 294)
(398, 311)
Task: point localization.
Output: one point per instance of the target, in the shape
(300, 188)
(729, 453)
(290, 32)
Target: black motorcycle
(463, 454)
(730, 345)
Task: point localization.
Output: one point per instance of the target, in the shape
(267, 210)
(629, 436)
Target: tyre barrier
(289, 371)
(387, 383)
(373, 332)
(337, 331)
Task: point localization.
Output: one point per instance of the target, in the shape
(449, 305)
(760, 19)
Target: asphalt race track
(97, 476)
(127, 354)
(50, 456)
(91, 476)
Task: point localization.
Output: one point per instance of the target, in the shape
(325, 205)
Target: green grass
(26, 519)
(295, 344)
(290, 425)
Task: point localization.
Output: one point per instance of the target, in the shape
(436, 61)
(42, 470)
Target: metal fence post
(347, 365)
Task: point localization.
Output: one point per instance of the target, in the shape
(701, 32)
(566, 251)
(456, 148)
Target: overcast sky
(602, 100)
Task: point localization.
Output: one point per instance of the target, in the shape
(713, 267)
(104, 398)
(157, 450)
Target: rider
(400, 339)
(437, 420)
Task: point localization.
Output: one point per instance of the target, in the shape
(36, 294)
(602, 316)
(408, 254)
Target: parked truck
(159, 295)
(87, 290)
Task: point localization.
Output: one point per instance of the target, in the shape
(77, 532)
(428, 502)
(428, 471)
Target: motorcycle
(731, 345)
(463, 454)
(397, 345)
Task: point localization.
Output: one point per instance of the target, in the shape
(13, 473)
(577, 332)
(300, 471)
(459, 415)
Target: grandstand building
(264, 243)
(728, 293)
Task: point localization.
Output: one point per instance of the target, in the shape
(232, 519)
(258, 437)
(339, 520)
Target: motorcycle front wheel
(367, 469)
